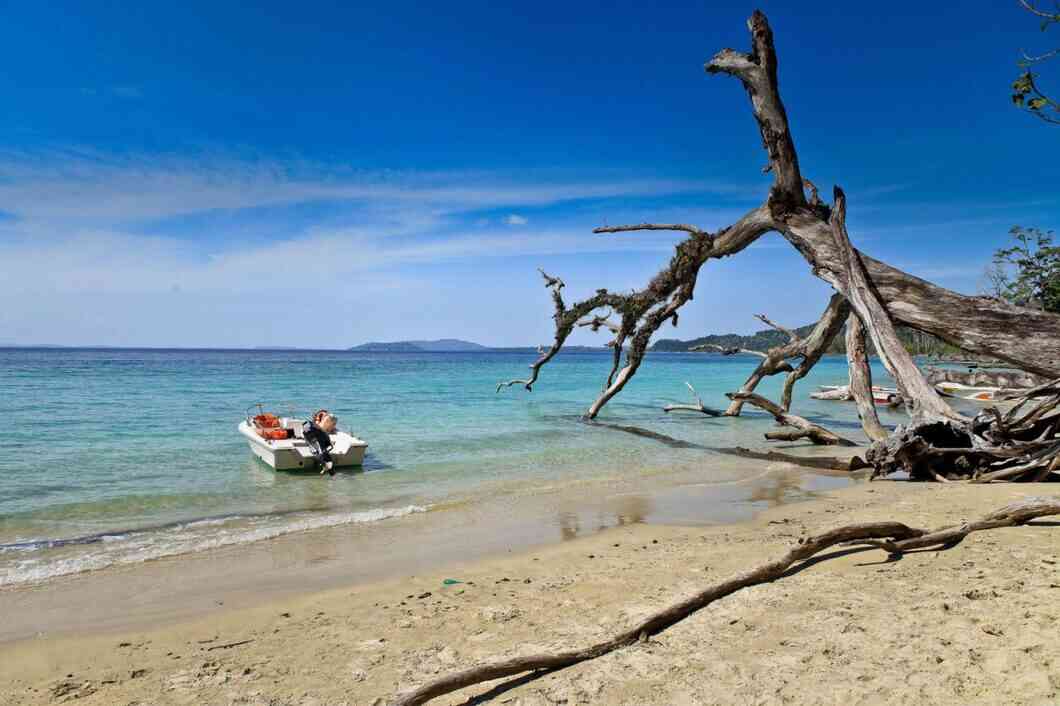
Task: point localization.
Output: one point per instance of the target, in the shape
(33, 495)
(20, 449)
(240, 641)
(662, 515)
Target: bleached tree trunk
(861, 379)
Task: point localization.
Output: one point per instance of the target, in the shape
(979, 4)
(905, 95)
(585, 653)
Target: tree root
(1023, 444)
(893, 537)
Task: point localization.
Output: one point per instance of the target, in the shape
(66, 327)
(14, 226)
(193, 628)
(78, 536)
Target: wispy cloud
(139, 235)
(85, 185)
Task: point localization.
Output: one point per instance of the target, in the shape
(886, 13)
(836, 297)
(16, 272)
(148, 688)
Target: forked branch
(697, 407)
(809, 349)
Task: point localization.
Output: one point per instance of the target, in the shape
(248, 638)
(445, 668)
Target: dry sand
(978, 623)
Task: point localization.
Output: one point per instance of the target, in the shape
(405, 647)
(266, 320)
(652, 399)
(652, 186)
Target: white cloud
(98, 250)
(84, 185)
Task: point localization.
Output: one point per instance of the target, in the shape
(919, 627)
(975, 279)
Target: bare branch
(806, 429)
(565, 321)
(654, 226)
(713, 347)
(1034, 10)
(815, 198)
(697, 407)
(644, 311)
(809, 349)
(816, 344)
(783, 329)
(758, 73)
(599, 321)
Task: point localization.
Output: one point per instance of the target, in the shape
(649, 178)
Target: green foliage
(1025, 91)
(1028, 273)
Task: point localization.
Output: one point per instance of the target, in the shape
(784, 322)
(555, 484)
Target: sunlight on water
(125, 455)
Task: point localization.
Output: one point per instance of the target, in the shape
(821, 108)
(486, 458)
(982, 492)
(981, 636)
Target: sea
(120, 456)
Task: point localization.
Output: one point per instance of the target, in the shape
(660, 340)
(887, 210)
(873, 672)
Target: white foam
(182, 539)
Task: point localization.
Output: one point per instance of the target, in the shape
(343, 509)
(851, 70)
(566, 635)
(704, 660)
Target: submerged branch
(697, 407)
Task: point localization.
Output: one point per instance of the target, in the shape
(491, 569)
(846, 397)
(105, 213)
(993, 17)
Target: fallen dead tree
(874, 293)
(892, 537)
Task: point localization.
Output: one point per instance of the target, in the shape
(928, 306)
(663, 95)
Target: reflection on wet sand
(780, 489)
(618, 512)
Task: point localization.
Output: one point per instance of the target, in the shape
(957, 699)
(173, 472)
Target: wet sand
(515, 519)
(973, 624)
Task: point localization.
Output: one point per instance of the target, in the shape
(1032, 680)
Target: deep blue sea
(120, 456)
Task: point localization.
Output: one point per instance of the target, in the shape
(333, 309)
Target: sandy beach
(973, 624)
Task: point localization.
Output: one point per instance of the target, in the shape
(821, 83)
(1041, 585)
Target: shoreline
(861, 624)
(515, 518)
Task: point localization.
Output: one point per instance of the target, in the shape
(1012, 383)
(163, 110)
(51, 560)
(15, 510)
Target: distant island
(442, 345)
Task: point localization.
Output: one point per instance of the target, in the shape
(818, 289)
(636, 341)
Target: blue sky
(197, 174)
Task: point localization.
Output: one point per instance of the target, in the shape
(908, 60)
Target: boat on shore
(968, 392)
(886, 396)
(279, 442)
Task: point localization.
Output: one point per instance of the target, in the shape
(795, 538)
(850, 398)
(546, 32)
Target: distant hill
(915, 341)
(455, 345)
(442, 345)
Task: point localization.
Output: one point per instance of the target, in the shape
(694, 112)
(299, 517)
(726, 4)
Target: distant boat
(278, 442)
(968, 392)
(887, 396)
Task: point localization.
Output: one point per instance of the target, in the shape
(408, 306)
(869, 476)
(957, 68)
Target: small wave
(187, 538)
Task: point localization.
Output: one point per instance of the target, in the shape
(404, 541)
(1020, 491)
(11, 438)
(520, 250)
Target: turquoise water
(118, 456)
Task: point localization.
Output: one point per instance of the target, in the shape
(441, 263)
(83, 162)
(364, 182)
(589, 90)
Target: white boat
(880, 395)
(278, 442)
(968, 392)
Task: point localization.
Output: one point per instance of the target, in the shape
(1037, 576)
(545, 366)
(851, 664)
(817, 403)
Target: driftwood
(860, 388)
(801, 428)
(821, 463)
(697, 407)
(893, 537)
(1022, 444)
(922, 401)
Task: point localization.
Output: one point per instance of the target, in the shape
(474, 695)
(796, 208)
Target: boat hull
(295, 454)
(968, 392)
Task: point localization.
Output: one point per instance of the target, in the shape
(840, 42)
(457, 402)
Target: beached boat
(968, 392)
(278, 442)
(880, 395)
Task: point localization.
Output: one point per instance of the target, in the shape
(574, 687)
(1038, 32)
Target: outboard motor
(320, 444)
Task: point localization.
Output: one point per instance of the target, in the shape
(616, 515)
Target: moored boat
(279, 442)
(888, 396)
(968, 392)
